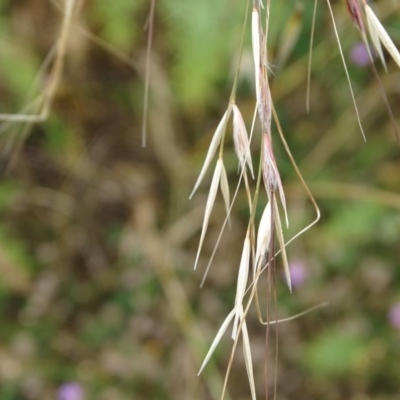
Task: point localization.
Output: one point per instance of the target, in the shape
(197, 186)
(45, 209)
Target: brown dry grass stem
(150, 26)
(39, 108)
(47, 97)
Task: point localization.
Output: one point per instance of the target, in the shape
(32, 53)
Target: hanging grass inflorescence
(259, 253)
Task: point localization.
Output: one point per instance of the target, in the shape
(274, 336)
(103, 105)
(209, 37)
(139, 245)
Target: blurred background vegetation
(98, 298)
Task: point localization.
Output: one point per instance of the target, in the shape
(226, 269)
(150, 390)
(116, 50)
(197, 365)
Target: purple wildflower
(359, 55)
(297, 273)
(70, 391)
(394, 315)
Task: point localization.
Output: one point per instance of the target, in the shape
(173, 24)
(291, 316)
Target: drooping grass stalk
(259, 253)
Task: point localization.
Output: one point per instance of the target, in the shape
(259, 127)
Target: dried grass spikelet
(213, 147)
(265, 106)
(378, 34)
(263, 94)
(247, 356)
(219, 178)
(271, 176)
(354, 9)
(241, 283)
(210, 203)
(217, 339)
(224, 185)
(241, 140)
(263, 237)
(281, 241)
(270, 172)
(246, 347)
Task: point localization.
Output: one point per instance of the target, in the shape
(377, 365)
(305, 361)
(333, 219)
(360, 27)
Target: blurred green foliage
(333, 354)
(116, 22)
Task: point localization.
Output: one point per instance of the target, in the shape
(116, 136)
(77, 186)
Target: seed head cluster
(259, 253)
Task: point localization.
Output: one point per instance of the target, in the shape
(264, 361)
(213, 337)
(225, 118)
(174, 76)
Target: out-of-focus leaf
(333, 353)
(355, 223)
(16, 265)
(118, 21)
(57, 135)
(18, 68)
(200, 33)
(8, 191)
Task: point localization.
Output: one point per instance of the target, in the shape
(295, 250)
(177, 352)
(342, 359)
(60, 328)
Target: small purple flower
(394, 315)
(359, 55)
(297, 273)
(70, 391)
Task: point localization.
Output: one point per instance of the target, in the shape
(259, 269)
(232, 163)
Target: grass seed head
(213, 147)
(241, 283)
(353, 6)
(378, 34)
(263, 236)
(224, 185)
(241, 141)
(209, 205)
(270, 172)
